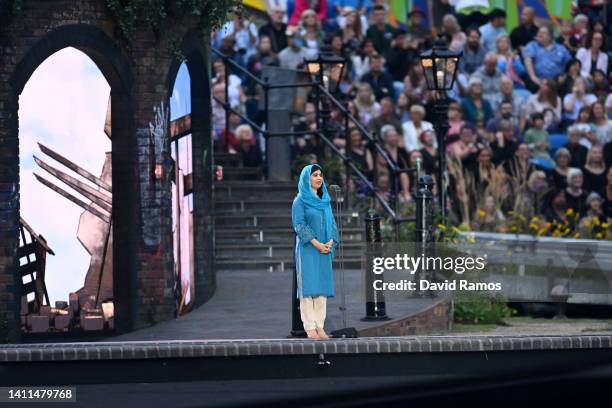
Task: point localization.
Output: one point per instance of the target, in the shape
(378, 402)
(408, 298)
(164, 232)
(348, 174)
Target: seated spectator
(352, 31)
(319, 7)
(508, 62)
(537, 140)
(483, 172)
(494, 28)
(517, 100)
(575, 195)
(429, 152)
(489, 76)
(228, 142)
(455, 123)
(399, 157)
(566, 37)
(451, 27)
(295, 53)
(573, 102)
(588, 137)
(546, 98)
(310, 31)
(263, 57)
(526, 31)
(527, 202)
(473, 53)
(504, 113)
(580, 29)
(556, 210)
(248, 150)
(489, 218)
(577, 151)
(594, 56)
(601, 123)
(379, 80)
(415, 84)
(244, 33)
(566, 80)
(400, 57)
(544, 59)
(275, 29)
(359, 154)
(360, 62)
(413, 128)
(366, 104)
(379, 31)
(386, 116)
(477, 110)
(558, 174)
(600, 87)
(590, 224)
(505, 144)
(467, 148)
(416, 30)
(402, 107)
(606, 193)
(594, 172)
(234, 90)
(218, 111)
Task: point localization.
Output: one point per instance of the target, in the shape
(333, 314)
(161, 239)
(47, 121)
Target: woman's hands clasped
(324, 248)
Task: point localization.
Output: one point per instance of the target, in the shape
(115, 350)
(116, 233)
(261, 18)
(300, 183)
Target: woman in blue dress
(317, 240)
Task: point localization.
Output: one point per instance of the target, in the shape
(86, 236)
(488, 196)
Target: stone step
(277, 235)
(262, 251)
(242, 173)
(254, 190)
(278, 265)
(228, 205)
(227, 160)
(236, 220)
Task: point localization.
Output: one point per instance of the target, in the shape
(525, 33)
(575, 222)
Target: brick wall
(141, 78)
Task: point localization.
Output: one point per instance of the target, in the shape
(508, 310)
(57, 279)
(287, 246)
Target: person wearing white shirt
(413, 128)
(592, 57)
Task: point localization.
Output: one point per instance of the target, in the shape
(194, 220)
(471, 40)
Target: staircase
(253, 222)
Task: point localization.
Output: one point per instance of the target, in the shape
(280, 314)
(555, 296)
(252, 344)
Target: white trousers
(312, 311)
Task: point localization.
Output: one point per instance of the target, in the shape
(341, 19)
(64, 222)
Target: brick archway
(195, 52)
(115, 68)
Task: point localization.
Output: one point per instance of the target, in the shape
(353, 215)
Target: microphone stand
(345, 332)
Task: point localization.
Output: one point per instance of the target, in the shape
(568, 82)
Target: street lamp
(440, 68)
(327, 69)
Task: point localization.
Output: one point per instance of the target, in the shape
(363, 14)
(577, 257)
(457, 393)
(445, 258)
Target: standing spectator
(495, 27)
(380, 32)
(275, 29)
(244, 33)
(537, 139)
(577, 151)
(558, 175)
(489, 76)
(311, 33)
(546, 98)
(294, 54)
(505, 145)
(477, 109)
(594, 55)
(544, 59)
(601, 123)
(318, 6)
(575, 194)
(414, 127)
(379, 80)
(473, 53)
(526, 31)
(452, 28)
(594, 170)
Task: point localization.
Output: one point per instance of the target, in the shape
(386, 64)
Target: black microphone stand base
(346, 333)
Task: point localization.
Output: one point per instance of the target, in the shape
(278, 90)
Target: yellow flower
(577, 235)
(441, 227)
(570, 211)
(556, 233)
(510, 212)
(482, 213)
(513, 228)
(535, 219)
(471, 239)
(605, 225)
(587, 222)
(599, 235)
(596, 221)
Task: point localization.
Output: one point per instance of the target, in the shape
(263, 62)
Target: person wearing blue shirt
(544, 59)
(493, 29)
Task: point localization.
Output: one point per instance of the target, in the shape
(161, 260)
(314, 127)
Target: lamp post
(440, 67)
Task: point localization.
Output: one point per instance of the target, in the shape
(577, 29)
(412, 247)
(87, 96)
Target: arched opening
(63, 109)
(182, 191)
(108, 60)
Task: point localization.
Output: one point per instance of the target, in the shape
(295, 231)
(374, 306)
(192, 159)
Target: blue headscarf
(310, 199)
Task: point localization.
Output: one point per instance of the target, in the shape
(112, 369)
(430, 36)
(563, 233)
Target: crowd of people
(529, 148)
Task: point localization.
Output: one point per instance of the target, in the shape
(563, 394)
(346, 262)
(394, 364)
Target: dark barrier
(376, 308)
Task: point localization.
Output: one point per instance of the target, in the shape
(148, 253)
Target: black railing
(348, 117)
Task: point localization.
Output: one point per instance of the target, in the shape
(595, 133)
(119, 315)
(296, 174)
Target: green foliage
(159, 15)
(9, 9)
(481, 309)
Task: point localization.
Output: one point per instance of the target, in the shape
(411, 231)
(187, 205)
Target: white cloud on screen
(63, 106)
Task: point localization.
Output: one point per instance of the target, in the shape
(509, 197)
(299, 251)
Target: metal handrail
(395, 169)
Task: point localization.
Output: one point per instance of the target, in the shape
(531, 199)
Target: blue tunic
(315, 276)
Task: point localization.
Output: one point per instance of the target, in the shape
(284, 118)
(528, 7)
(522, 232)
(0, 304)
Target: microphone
(336, 193)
